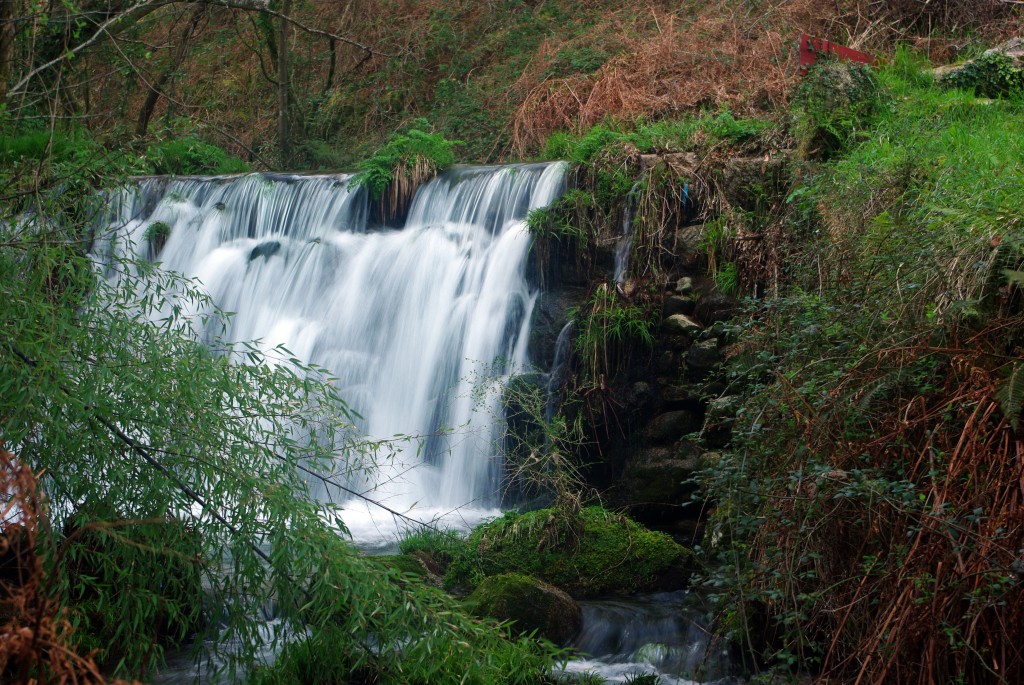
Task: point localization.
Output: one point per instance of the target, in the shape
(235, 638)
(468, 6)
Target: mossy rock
(406, 564)
(593, 553)
(531, 604)
(834, 101)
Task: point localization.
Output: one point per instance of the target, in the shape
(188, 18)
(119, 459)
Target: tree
(45, 72)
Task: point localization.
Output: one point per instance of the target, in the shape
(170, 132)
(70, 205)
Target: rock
(671, 426)
(681, 324)
(684, 286)
(530, 603)
(716, 306)
(675, 393)
(997, 73)
(1012, 48)
(702, 358)
(679, 304)
(752, 183)
(265, 250)
(719, 419)
(687, 243)
(657, 484)
(550, 315)
(594, 552)
(406, 564)
(665, 363)
(640, 396)
(722, 410)
(834, 101)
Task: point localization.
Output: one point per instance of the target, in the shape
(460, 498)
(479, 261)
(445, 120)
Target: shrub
(189, 155)
(992, 75)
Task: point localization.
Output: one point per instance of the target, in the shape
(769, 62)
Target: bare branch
(136, 12)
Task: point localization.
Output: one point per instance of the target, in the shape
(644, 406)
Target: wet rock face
(530, 603)
(550, 314)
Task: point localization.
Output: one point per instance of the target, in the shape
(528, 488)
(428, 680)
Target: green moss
(406, 564)
(594, 553)
(530, 603)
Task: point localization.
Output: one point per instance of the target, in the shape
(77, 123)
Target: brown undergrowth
(742, 57)
(909, 537)
(35, 633)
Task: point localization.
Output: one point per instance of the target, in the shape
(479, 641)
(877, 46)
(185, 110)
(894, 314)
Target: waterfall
(412, 322)
(624, 246)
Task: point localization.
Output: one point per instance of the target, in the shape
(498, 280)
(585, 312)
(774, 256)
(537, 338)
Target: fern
(1010, 395)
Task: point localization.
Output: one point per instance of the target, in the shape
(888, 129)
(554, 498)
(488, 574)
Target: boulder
(680, 324)
(657, 484)
(671, 426)
(639, 397)
(532, 605)
(716, 306)
(589, 553)
(265, 250)
(684, 286)
(702, 358)
(719, 419)
(997, 73)
(679, 304)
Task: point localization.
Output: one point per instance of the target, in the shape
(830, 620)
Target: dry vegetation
(36, 637)
(510, 72)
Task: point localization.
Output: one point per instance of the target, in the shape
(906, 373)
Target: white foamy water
(416, 323)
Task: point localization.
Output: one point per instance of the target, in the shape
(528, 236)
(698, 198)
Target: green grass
(668, 135)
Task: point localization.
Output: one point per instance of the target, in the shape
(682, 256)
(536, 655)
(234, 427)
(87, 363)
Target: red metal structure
(812, 49)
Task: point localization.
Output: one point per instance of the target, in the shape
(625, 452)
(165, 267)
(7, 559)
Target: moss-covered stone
(593, 553)
(405, 563)
(532, 605)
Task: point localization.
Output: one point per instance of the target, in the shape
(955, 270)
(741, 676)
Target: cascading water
(412, 322)
(625, 244)
(664, 634)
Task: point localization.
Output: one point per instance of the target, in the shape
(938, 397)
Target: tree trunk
(157, 87)
(284, 86)
(7, 14)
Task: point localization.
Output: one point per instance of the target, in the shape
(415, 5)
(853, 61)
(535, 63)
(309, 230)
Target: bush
(992, 75)
(405, 161)
(136, 586)
(190, 156)
(864, 495)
